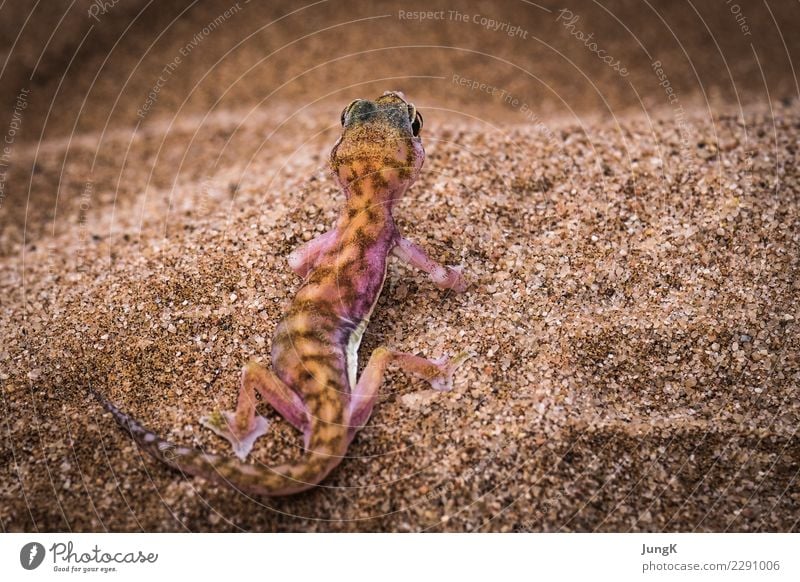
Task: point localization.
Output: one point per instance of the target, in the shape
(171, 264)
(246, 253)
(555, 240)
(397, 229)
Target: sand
(631, 318)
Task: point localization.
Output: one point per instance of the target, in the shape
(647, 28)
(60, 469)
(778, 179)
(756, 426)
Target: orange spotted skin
(377, 157)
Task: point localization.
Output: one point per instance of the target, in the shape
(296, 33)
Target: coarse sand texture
(634, 267)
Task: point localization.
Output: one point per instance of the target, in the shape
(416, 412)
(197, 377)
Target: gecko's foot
(224, 424)
(450, 277)
(457, 281)
(443, 381)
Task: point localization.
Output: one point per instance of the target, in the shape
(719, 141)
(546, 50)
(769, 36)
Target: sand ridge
(635, 356)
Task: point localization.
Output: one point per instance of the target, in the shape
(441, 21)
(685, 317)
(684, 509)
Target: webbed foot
(241, 438)
(445, 367)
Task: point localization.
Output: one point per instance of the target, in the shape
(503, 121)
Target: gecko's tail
(325, 450)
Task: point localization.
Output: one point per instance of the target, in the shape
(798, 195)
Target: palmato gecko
(313, 382)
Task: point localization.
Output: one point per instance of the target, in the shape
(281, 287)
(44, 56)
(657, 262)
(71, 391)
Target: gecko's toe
(242, 442)
(443, 381)
(457, 281)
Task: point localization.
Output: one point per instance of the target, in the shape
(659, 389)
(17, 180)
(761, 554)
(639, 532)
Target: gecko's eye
(347, 109)
(416, 125)
(416, 119)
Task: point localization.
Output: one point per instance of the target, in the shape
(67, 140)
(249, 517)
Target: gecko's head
(380, 147)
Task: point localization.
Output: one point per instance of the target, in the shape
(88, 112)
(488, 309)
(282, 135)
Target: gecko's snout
(392, 106)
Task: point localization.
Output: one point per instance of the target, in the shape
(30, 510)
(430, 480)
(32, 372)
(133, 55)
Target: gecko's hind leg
(243, 426)
(438, 373)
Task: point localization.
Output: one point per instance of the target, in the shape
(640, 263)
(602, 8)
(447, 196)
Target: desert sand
(631, 242)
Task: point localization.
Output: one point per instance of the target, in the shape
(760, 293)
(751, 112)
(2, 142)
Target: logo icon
(31, 555)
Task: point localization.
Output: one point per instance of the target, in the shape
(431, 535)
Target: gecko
(313, 382)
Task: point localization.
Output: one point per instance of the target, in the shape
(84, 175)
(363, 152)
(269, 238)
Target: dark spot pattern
(309, 344)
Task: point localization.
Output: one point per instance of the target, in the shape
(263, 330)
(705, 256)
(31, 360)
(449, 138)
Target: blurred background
(90, 65)
(98, 69)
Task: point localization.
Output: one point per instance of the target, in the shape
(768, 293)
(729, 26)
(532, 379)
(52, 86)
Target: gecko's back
(315, 345)
(377, 157)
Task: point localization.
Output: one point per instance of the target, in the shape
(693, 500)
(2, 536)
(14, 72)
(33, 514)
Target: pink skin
(444, 277)
(313, 382)
(305, 259)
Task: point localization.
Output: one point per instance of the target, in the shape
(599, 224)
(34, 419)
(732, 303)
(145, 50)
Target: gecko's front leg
(443, 276)
(304, 258)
